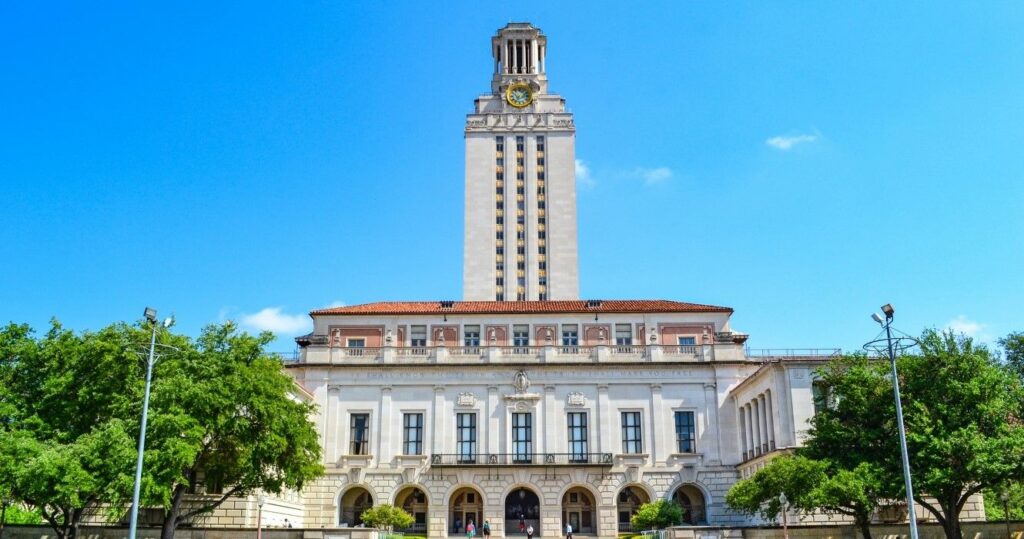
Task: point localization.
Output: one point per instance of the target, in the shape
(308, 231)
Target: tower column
(533, 56)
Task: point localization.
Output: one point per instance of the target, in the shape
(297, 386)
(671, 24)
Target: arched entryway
(627, 503)
(692, 501)
(579, 509)
(351, 506)
(465, 506)
(522, 510)
(413, 501)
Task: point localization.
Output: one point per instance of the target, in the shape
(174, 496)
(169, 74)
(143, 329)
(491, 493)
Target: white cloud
(652, 176)
(787, 143)
(335, 303)
(273, 320)
(583, 176)
(971, 328)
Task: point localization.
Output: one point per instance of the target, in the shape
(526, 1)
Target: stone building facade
(523, 405)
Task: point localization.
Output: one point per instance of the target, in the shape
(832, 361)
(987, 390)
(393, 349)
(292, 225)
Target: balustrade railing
(516, 459)
(360, 352)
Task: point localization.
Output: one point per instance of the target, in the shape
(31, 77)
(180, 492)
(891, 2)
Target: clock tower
(520, 232)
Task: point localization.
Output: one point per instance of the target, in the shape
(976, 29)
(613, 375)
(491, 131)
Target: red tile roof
(523, 307)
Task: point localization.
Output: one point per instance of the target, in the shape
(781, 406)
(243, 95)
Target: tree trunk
(864, 523)
(952, 524)
(171, 515)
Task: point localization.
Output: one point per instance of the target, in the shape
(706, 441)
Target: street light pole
(150, 315)
(259, 515)
(888, 310)
(785, 524)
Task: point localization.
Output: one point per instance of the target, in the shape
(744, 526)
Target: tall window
(577, 436)
(522, 437)
(412, 436)
(685, 435)
(542, 272)
(687, 341)
(570, 335)
(499, 200)
(465, 425)
(632, 442)
(623, 334)
(359, 435)
(520, 218)
(418, 336)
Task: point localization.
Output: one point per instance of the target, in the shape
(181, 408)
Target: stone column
(764, 422)
(657, 433)
(755, 414)
(492, 421)
(604, 419)
(331, 425)
(384, 451)
(438, 431)
(750, 428)
(771, 419)
(533, 56)
(711, 425)
(549, 444)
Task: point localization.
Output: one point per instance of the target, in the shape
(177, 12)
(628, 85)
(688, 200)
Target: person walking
(529, 532)
(458, 525)
(568, 531)
(470, 530)
(522, 524)
(487, 528)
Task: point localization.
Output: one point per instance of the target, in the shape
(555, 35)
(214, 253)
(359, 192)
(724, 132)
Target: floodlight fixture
(150, 314)
(168, 322)
(888, 310)
(876, 318)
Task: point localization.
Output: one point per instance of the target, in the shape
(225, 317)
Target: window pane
(413, 434)
(577, 422)
(359, 434)
(466, 441)
(522, 437)
(685, 436)
(631, 434)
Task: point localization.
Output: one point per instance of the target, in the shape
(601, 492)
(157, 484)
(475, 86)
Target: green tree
(657, 514)
(65, 450)
(387, 517)
(962, 415)
(224, 414)
(809, 485)
(1013, 348)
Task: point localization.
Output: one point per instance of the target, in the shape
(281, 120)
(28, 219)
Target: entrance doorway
(466, 506)
(578, 511)
(692, 501)
(522, 510)
(412, 500)
(628, 503)
(353, 503)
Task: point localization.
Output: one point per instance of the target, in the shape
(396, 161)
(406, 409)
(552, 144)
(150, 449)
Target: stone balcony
(514, 355)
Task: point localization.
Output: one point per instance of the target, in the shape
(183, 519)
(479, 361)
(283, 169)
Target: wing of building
(524, 405)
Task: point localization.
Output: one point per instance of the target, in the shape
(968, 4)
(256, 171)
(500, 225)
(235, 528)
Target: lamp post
(785, 524)
(259, 515)
(1005, 497)
(888, 310)
(150, 314)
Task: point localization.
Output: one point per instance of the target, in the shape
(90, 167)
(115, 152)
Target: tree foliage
(387, 517)
(657, 514)
(223, 415)
(222, 412)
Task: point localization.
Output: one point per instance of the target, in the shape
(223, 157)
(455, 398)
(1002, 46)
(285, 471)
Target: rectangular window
(570, 335)
(520, 335)
(577, 422)
(685, 433)
(687, 341)
(465, 426)
(471, 335)
(819, 393)
(360, 434)
(623, 334)
(356, 343)
(418, 336)
(412, 436)
(632, 442)
(522, 438)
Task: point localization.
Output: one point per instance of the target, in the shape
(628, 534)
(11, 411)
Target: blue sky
(800, 162)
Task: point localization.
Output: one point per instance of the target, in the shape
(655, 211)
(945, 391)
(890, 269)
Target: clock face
(519, 95)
